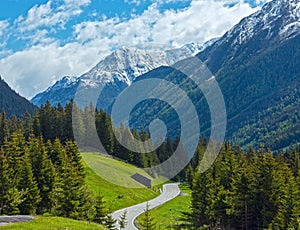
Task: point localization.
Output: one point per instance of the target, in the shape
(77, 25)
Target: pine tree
(105, 131)
(100, 209)
(28, 184)
(4, 130)
(110, 222)
(43, 171)
(28, 125)
(73, 154)
(5, 183)
(147, 221)
(200, 200)
(66, 194)
(122, 220)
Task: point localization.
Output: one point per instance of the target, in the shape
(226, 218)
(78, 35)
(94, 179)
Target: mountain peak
(118, 70)
(279, 17)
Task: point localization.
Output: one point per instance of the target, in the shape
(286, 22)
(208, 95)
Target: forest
(42, 173)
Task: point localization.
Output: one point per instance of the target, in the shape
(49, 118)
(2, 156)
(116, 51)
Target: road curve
(170, 191)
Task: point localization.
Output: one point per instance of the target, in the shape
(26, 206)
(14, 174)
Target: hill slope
(50, 223)
(117, 197)
(13, 103)
(257, 67)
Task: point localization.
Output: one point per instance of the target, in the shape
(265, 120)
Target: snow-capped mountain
(256, 65)
(116, 72)
(276, 22)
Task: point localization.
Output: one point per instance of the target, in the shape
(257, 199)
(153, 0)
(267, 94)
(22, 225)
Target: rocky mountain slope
(257, 67)
(116, 72)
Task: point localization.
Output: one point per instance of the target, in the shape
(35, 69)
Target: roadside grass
(170, 214)
(53, 223)
(116, 197)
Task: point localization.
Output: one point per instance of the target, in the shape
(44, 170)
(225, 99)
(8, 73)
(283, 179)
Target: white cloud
(49, 15)
(199, 22)
(34, 69)
(3, 26)
(135, 2)
(37, 67)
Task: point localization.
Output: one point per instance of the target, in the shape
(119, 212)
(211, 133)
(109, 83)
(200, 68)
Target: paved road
(170, 191)
(4, 220)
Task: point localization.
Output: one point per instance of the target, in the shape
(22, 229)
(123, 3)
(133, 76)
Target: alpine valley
(74, 164)
(256, 64)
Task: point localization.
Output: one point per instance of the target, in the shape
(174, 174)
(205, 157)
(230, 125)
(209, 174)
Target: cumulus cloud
(34, 69)
(3, 26)
(199, 22)
(50, 16)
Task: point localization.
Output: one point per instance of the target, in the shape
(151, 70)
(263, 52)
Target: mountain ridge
(258, 77)
(12, 102)
(117, 71)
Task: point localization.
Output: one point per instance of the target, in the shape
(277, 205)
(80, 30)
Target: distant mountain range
(257, 66)
(116, 72)
(13, 103)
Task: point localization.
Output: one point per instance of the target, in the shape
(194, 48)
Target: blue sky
(43, 40)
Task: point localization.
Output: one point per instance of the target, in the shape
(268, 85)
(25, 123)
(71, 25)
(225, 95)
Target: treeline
(38, 177)
(45, 176)
(57, 123)
(252, 190)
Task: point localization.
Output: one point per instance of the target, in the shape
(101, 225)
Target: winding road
(170, 191)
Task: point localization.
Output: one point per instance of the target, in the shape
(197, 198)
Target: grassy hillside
(53, 223)
(170, 214)
(117, 197)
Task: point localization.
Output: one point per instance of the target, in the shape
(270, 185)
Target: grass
(53, 223)
(170, 214)
(116, 197)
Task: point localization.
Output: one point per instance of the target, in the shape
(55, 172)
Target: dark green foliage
(38, 177)
(246, 191)
(110, 222)
(13, 103)
(122, 221)
(260, 89)
(147, 222)
(5, 183)
(100, 210)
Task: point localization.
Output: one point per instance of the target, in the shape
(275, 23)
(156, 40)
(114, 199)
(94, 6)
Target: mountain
(277, 22)
(257, 67)
(116, 72)
(13, 103)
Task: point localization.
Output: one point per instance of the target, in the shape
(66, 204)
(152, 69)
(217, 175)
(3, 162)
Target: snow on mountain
(276, 22)
(117, 71)
(276, 18)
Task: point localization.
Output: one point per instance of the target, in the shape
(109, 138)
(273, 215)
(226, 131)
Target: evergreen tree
(122, 220)
(29, 185)
(5, 183)
(43, 171)
(110, 222)
(100, 210)
(4, 130)
(147, 221)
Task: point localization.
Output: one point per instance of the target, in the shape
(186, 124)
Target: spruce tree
(29, 185)
(110, 222)
(5, 183)
(122, 220)
(147, 221)
(100, 209)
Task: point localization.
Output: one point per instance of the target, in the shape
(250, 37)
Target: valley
(136, 141)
